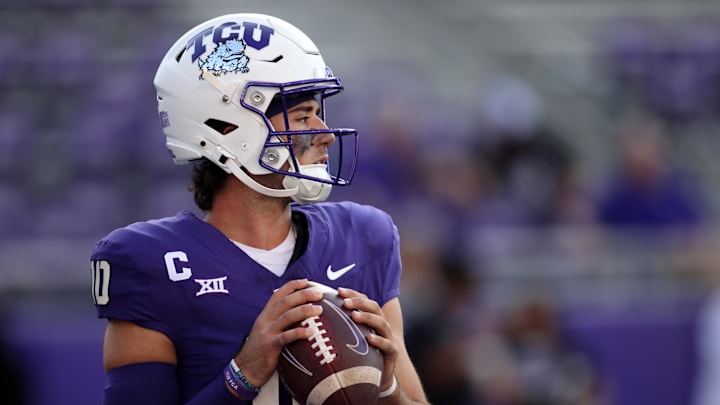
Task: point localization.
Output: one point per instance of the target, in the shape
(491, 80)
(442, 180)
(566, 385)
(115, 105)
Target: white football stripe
(269, 393)
(343, 378)
(313, 285)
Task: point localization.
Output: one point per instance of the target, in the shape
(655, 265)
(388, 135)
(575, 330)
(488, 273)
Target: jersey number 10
(100, 281)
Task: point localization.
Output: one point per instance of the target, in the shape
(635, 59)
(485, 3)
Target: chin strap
(309, 191)
(245, 178)
(301, 190)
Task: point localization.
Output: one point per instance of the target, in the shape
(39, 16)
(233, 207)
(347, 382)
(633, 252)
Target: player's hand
(273, 329)
(370, 313)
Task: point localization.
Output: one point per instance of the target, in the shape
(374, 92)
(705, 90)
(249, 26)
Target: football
(336, 365)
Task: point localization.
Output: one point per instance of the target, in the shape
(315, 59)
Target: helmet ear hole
(179, 55)
(220, 126)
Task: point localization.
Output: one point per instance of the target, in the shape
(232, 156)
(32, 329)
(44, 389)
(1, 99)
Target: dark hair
(207, 180)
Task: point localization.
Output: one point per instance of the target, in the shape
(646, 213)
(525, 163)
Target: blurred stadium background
(551, 166)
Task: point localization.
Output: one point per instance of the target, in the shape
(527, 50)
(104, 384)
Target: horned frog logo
(228, 56)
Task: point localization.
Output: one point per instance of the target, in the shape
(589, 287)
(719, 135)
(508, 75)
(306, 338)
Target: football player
(199, 309)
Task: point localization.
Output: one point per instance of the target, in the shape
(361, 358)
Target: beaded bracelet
(237, 381)
(242, 378)
(237, 385)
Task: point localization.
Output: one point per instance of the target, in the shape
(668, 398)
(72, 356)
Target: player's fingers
(291, 295)
(300, 297)
(289, 318)
(290, 336)
(363, 307)
(288, 288)
(355, 300)
(385, 345)
(374, 321)
(390, 353)
(349, 293)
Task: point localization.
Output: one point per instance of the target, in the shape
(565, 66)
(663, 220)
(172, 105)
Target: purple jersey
(184, 278)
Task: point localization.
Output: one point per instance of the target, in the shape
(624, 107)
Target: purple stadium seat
(59, 4)
(84, 209)
(14, 211)
(68, 58)
(10, 59)
(683, 81)
(95, 141)
(140, 4)
(16, 133)
(631, 49)
(704, 42)
(167, 199)
(101, 135)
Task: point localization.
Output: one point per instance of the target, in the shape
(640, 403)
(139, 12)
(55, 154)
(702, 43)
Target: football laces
(323, 350)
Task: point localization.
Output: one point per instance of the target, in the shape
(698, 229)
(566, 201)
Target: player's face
(309, 149)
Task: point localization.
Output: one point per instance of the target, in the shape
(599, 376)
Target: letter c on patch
(171, 260)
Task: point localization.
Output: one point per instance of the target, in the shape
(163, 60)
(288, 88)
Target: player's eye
(304, 119)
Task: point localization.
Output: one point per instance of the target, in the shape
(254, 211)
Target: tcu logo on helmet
(227, 57)
(254, 35)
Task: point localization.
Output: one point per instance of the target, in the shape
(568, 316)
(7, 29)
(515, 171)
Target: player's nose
(323, 139)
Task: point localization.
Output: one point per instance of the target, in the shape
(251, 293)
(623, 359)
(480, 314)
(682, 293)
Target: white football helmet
(214, 87)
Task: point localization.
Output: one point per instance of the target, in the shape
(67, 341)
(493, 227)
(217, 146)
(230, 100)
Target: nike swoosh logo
(360, 346)
(334, 275)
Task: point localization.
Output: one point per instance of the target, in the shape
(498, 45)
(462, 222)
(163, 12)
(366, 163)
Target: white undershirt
(275, 259)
